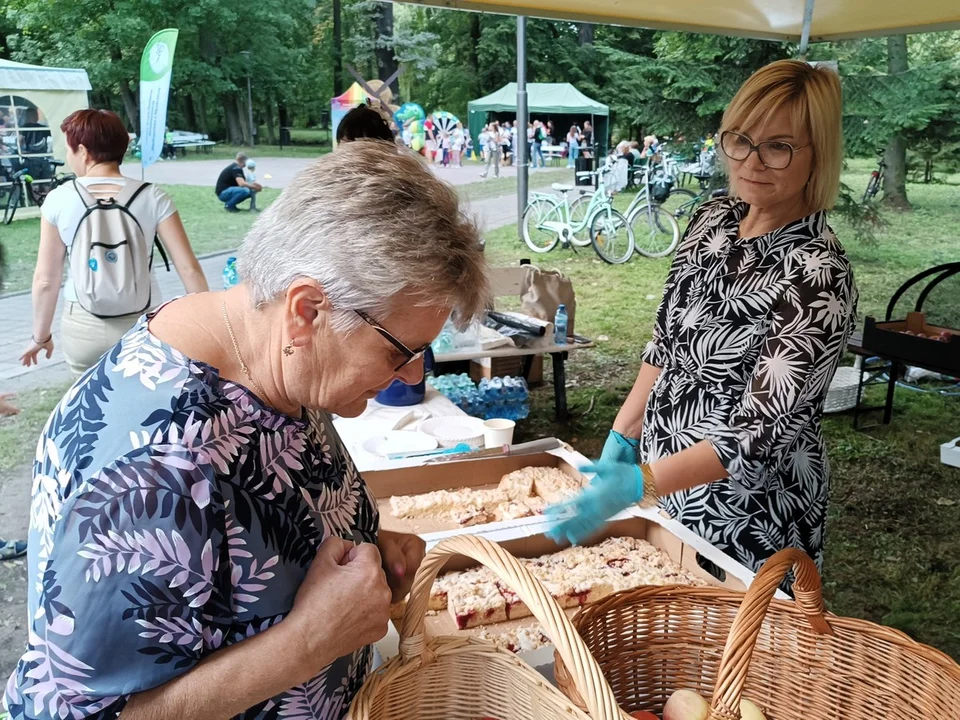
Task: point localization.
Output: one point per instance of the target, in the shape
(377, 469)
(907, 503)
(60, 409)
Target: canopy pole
(805, 31)
(522, 120)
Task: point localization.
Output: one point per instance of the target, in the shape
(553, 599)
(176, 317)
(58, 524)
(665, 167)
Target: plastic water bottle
(560, 325)
(230, 276)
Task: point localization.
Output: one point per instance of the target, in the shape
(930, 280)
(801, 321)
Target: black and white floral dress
(748, 336)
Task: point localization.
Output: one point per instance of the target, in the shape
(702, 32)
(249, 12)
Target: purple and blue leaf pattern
(174, 515)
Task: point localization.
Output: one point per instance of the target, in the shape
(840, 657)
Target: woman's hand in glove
(615, 486)
(619, 448)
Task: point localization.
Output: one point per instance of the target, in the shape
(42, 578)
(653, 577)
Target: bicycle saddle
(559, 187)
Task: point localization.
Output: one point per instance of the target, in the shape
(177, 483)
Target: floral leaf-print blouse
(748, 336)
(174, 514)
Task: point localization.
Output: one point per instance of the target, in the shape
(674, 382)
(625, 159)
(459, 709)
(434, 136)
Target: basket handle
(590, 682)
(738, 651)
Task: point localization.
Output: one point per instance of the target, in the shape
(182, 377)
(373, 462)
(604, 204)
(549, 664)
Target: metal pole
(805, 31)
(522, 120)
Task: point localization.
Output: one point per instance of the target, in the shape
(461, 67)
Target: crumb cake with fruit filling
(522, 493)
(575, 576)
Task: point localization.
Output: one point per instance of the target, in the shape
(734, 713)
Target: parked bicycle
(551, 219)
(37, 190)
(876, 181)
(656, 232)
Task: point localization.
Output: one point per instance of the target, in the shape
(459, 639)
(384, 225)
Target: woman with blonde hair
(723, 425)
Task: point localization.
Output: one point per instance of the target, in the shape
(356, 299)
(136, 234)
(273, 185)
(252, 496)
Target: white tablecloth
(379, 419)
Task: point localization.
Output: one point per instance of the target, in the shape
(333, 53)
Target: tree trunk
(475, 33)
(271, 125)
(895, 177)
(337, 51)
(386, 60)
(130, 106)
(190, 112)
(202, 108)
(585, 32)
(231, 107)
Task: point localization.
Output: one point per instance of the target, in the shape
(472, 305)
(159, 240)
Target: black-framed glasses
(410, 355)
(774, 154)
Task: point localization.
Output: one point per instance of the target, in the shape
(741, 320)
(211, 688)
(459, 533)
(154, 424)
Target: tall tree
(338, 87)
(383, 44)
(895, 178)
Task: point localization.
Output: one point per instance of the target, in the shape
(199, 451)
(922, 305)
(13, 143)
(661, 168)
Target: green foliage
(654, 81)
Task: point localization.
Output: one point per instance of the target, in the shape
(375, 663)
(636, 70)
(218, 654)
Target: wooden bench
(206, 145)
(508, 282)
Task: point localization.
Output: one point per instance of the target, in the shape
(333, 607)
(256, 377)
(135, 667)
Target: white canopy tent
(54, 92)
(767, 19)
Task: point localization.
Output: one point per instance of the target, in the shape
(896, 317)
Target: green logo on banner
(158, 56)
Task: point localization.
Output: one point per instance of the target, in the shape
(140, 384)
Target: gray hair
(370, 222)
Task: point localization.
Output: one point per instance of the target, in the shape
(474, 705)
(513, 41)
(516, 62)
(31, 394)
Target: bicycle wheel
(611, 236)
(681, 203)
(873, 187)
(539, 236)
(655, 231)
(578, 216)
(13, 202)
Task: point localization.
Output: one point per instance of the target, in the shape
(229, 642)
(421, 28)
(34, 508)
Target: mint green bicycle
(551, 219)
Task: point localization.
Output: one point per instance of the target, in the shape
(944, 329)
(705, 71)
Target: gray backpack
(110, 258)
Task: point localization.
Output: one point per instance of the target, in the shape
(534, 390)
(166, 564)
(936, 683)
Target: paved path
(281, 170)
(16, 323)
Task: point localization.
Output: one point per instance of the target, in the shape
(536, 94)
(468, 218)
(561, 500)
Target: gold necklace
(243, 366)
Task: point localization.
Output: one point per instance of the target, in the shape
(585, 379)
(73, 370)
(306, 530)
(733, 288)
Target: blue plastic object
(560, 325)
(399, 394)
(230, 275)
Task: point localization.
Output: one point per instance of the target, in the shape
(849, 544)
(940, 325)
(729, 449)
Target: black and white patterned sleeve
(655, 353)
(808, 332)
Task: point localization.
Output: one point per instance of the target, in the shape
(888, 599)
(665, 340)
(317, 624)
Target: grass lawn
(212, 230)
(893, 539)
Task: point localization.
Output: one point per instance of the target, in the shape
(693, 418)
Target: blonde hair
(813, 96)
(373, 225)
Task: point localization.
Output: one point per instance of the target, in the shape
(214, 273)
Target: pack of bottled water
(499, 397)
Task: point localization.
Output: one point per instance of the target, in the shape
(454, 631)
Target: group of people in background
(498, 143)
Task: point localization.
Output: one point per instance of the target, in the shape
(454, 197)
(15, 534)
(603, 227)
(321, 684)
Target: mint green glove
(619, 448)
(615, 486)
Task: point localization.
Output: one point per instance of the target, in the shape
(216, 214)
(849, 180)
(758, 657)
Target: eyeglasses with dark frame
(773, 154)
(410, 355)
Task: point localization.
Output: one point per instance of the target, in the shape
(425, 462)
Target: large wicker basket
(792, 659)
(450, 678)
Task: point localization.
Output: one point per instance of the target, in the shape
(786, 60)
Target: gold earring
(288, 350)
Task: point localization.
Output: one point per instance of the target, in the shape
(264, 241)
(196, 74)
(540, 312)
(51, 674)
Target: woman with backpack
(105, 225)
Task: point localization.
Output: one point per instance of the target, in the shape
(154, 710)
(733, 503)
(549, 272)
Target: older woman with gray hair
(201, 545)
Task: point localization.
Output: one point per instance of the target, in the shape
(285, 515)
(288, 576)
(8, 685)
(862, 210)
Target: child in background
(250, 175)
(445, 146)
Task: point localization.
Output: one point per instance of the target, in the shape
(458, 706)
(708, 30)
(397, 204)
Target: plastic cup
(498, 432)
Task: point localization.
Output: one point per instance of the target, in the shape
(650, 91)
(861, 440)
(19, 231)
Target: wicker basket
(792, 659)
(450, 678)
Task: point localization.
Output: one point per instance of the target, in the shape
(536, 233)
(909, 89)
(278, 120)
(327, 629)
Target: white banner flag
(155, 69)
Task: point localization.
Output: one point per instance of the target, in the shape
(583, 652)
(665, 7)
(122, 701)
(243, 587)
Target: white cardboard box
(950, 453)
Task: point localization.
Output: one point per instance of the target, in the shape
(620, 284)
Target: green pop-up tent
(551, 99)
